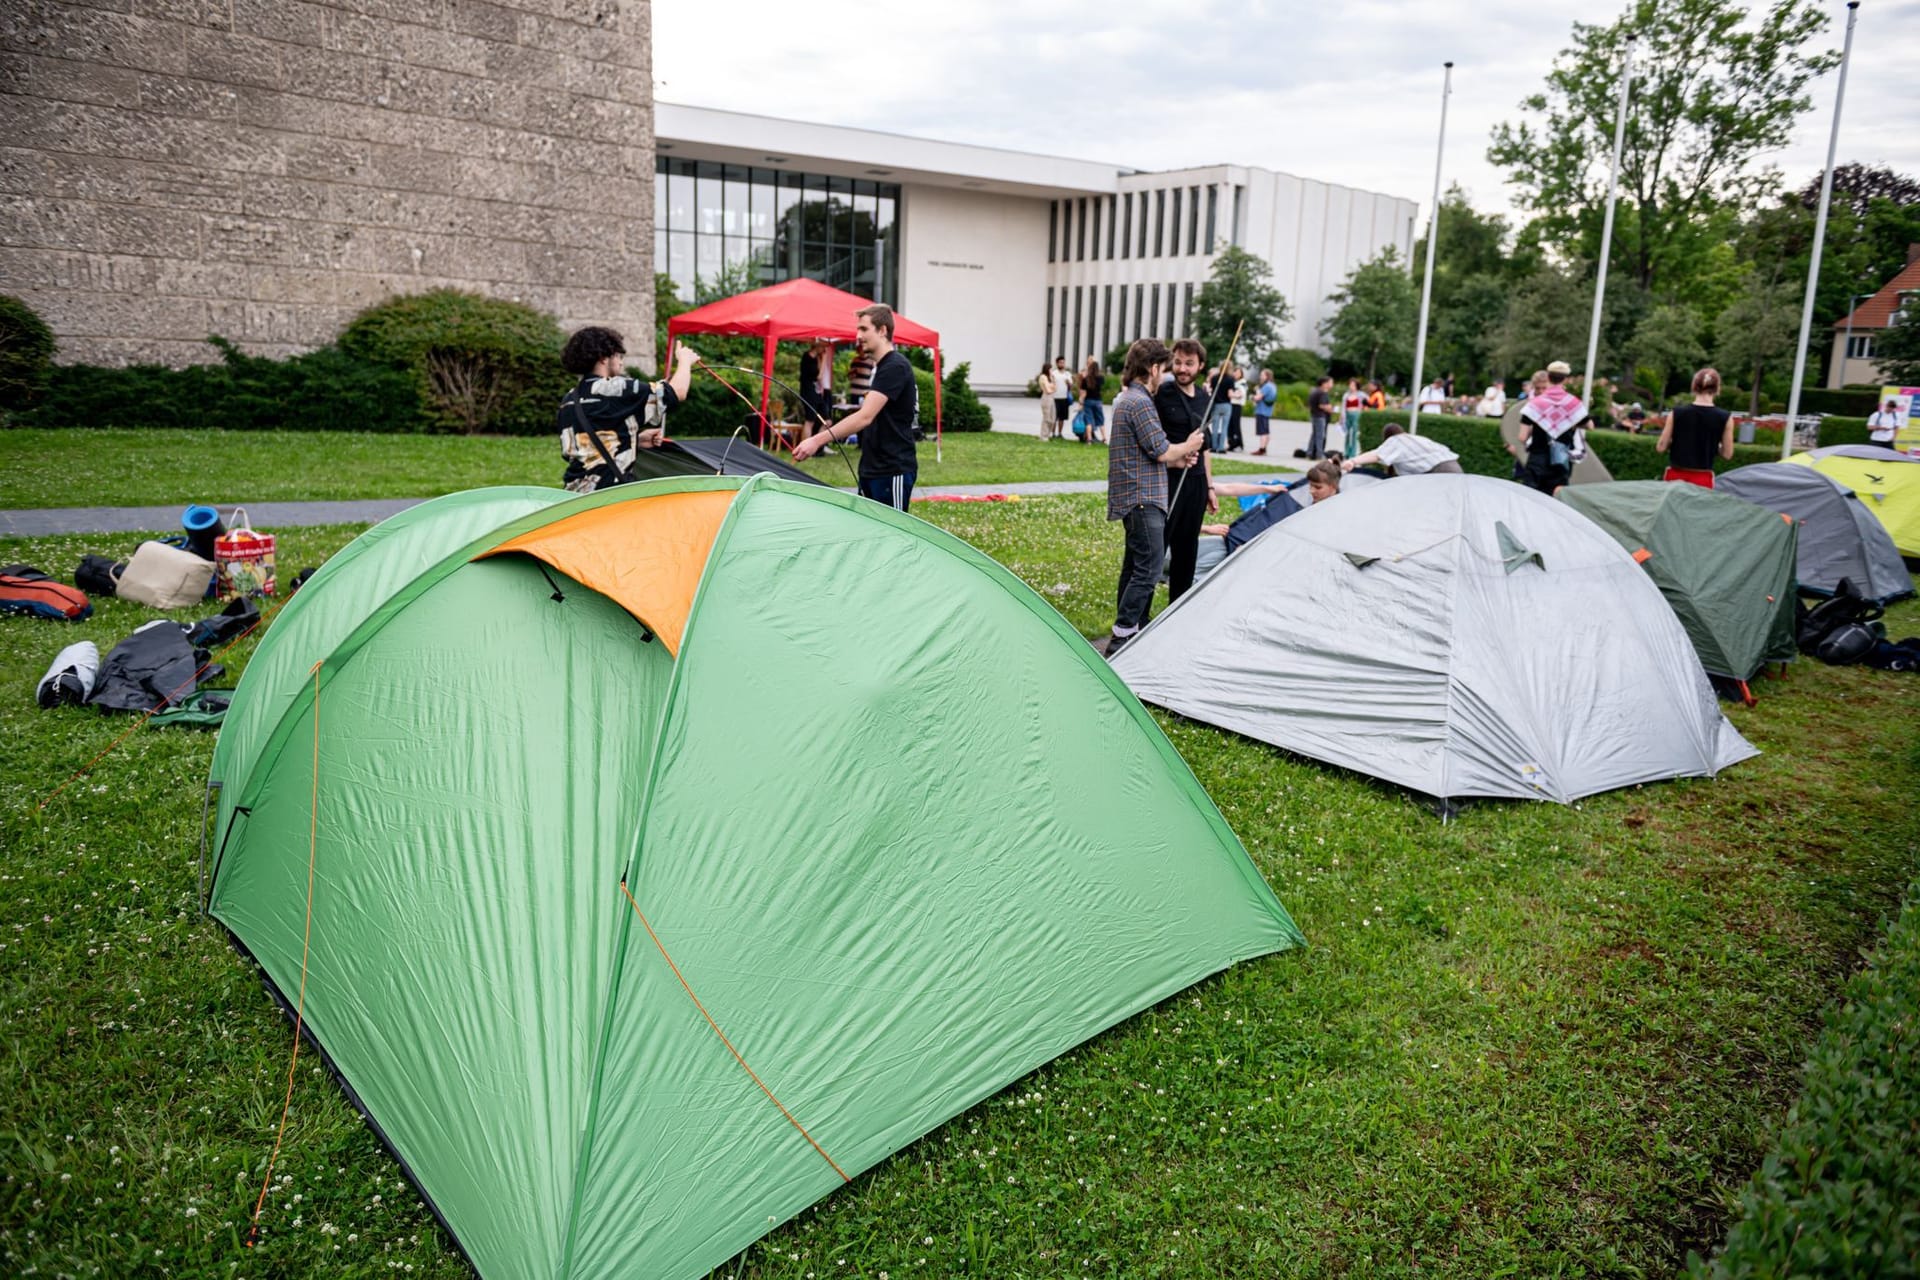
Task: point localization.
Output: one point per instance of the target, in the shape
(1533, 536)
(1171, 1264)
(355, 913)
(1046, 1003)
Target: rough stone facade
(263, 169)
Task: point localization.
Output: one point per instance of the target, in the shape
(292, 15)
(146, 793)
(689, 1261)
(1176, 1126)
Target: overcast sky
(1347, 93)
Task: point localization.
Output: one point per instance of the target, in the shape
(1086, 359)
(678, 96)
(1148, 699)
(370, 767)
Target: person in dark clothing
(607, 415)
(885, 419)
(1093, 389)
(1182, 406)
(1221, 387)
(1552, 432)
(817, 359)
(1319, 411)
(1696, 432)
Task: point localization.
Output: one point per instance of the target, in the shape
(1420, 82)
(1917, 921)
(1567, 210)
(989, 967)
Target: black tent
(716, 456)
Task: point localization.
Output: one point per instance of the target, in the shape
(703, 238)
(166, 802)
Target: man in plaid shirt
(1138, 456)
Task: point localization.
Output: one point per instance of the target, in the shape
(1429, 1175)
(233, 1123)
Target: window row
(1091, 320)
(709, 215)
(1167, 223)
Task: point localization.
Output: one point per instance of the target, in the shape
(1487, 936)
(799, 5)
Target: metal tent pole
(1606, 232)
(1433, 238)
(1819, 241)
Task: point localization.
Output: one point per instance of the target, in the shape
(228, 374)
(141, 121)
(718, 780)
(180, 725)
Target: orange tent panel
(646, 555)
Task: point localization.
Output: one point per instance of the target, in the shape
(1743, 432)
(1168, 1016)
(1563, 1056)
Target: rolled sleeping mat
(71, 678)
(203, 525)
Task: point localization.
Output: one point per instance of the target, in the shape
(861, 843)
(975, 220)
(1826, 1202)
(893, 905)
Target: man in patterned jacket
(607, 415)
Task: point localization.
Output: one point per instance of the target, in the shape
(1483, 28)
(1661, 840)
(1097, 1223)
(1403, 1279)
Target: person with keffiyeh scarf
(1553, 433)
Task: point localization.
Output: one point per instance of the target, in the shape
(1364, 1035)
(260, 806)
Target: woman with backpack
(1093, 385)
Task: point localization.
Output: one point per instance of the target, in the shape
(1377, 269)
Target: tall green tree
(1666, 342)
(1238, 290)
(1376, 310)
(1896, 350)
(1758, 332)
(1713, 92)
(1471, 277)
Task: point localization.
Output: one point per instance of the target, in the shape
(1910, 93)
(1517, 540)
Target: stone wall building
(263, 169)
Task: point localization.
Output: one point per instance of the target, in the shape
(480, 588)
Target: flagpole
(1606, 232)
(1819, 241)
(1426, 286)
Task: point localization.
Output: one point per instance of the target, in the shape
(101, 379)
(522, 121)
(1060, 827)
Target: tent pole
(766, 386)
(1433, 239)
(1819, 242)
(1606, 232)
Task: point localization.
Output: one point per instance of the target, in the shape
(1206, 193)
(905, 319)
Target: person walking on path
(1049, 407)
(1221, 388)
(1552, 432)
(885, 419)
(1350, 406)
(1182, 409)
(1062, 393)
(1696, 432)
(1237, 399)
(1319, 410)
(1407, 454)
(1137, 466)
(1264, 398)
(1883, 428)
(607, 416)
(1093, 388)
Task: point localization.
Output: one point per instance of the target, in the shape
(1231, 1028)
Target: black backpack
(1825, 620)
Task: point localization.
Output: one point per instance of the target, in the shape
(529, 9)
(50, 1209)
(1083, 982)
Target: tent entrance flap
(646, 555)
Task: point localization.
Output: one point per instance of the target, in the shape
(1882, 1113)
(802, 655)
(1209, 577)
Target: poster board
(1907, 440)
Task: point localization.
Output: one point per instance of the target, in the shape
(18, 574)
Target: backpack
(26, 590)
(99, 575)
(1818, 624)
(1848, 643)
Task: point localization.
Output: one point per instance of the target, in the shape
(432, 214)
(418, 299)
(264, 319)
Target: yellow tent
(1887, 483)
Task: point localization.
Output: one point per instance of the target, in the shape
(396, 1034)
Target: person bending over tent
(1553, 426)
(607, 415)
(884, 421)
(1323, 482)
(1407, 454)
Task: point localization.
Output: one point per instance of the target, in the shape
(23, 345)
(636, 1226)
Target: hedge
(1839, 1194)
(1483, 451)
(1854, 403)
(712, 410)
(323, 390)
(26, 354)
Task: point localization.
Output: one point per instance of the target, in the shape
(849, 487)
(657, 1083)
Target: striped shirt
(1135, 445)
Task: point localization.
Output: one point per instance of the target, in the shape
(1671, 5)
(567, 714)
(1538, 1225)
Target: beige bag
(164, 577)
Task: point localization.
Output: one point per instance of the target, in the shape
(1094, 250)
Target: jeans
(1352, 425)
(1317, 438)
(1095, 418)
(1217, 430)
(891, 491)
(1146, 528)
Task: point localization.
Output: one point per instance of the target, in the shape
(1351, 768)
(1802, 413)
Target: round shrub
(478, 364)
(1293, 364)
(26, 353)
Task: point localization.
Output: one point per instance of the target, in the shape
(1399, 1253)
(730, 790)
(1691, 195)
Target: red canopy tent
(799, 311)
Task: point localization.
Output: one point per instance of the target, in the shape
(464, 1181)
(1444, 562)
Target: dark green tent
(1725, 565)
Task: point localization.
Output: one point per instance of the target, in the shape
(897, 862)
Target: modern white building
(1014, 258)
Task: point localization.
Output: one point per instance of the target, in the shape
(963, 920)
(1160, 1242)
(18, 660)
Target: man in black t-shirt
(1319, 410)
(884, 421)
(607, 415)
(1182, 406)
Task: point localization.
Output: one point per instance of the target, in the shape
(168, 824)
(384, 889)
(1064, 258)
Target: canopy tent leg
(766, 386)
(937, 405)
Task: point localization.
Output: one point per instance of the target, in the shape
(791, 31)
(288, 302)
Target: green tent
(1725, 565)
(677, 852)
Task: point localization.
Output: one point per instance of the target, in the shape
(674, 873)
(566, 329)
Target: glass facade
(777, 224)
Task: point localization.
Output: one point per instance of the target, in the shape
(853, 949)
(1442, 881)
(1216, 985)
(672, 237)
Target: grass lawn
(152, 468)
(1532, 1041)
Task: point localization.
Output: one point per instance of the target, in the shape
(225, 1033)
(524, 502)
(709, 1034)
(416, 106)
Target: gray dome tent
(1839, 537)
(1455, 634)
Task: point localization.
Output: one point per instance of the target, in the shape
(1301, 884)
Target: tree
(1857, 186)
(1548, 315)
(1375, 316)
(1760, 329)
(667, 304)
(1896, 349)
(1237, 291)
(1466, 332)
(1665, 342)
(1711, 95)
